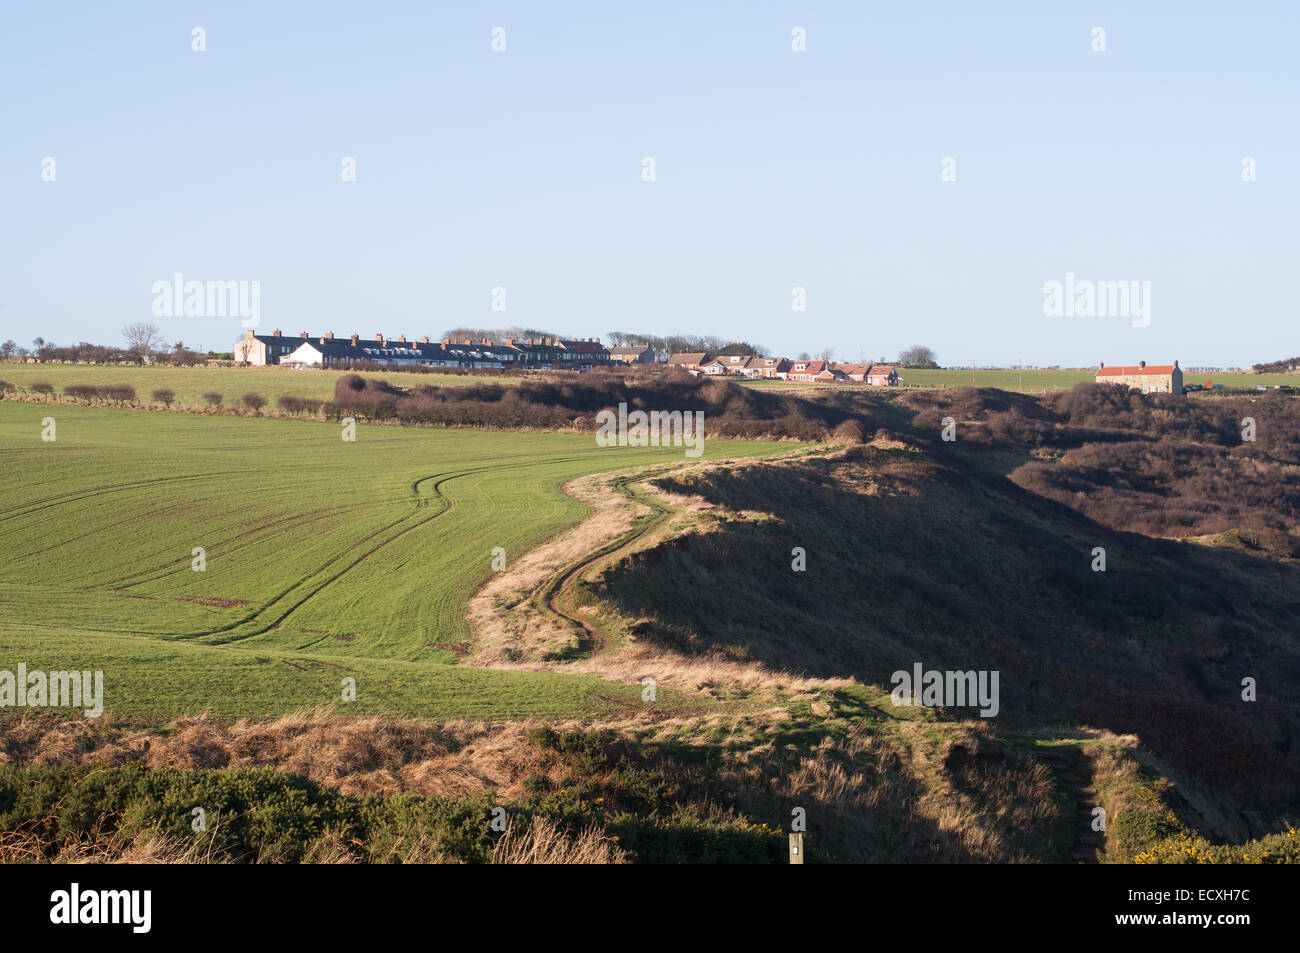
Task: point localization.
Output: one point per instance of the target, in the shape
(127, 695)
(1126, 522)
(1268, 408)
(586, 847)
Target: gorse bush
(250, 814)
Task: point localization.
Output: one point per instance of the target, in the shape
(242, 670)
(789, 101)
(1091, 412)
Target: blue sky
(775, 169)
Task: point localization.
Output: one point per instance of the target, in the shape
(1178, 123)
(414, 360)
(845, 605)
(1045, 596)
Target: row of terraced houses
(581, 354)
(544, 353)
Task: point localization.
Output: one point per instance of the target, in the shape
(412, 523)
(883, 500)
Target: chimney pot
(1142, 363)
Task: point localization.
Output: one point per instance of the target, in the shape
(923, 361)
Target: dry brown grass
(546, 842)
(514, 630)
(353, 756)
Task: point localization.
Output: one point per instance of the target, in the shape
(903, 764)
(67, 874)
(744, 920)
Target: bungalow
(882, 375)
(831, 374)
(691, 361)
(1148, 378)
(640, 354)
(773, 367)
(855, 372)
(715, 367)
(806, 371)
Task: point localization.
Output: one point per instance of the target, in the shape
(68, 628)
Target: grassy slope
(1141, 648)
(348, 553)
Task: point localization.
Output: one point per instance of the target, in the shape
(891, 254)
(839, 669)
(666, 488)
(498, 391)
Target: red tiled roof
(1138, 371)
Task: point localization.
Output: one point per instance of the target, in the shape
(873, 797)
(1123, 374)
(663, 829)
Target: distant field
(1036, 381)
(1028, 380)
(190, 383)
(323, 558)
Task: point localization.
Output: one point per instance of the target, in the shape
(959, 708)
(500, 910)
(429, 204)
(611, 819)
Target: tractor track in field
(35, 506)
(276, 603)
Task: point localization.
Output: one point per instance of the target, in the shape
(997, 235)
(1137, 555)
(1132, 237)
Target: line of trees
(142, 340)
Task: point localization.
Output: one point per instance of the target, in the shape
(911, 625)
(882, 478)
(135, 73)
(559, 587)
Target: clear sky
(774, 169)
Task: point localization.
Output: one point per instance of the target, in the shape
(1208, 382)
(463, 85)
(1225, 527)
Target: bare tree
(918, 355)
(825, 354)
(142, 337)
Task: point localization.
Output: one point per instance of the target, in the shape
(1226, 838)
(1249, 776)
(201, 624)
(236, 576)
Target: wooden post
(796, 848)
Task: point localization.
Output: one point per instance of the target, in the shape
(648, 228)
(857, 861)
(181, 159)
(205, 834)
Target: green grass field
(190, 383)
(1029, 381)
(323, 557)
(1037, 381)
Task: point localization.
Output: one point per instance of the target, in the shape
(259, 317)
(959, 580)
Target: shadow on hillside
(909, 561)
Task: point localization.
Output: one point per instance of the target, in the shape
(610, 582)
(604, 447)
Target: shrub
(213, 398)
(43, 388)
(299, 405)
(164, 396)
(849, 432)
(254, 401)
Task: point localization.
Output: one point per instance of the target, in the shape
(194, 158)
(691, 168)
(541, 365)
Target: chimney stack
(1142, 363)
(379, 337)
(425, 339)
(329, 335)
(402, 339)
(277, 332)
(354, 338)
(304, 335)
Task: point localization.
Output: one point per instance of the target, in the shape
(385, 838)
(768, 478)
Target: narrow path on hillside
(1087, 842)
(557, 594)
